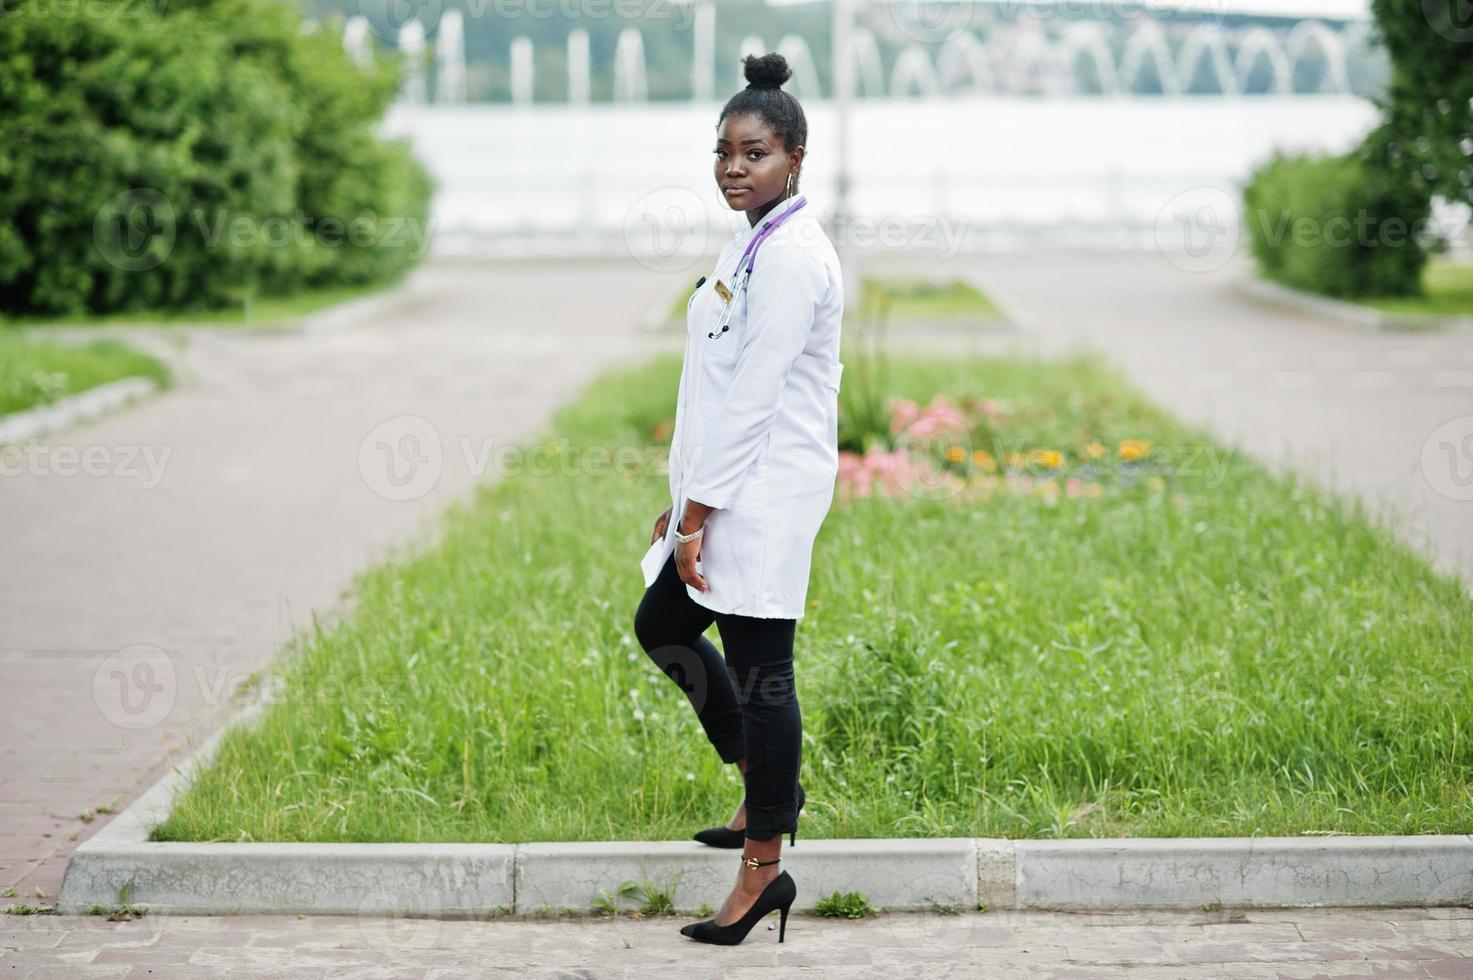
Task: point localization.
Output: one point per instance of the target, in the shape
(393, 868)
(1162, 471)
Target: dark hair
(764, 97)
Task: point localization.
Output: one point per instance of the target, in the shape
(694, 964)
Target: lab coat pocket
(831, 410)
(708, 413)
(836, 370)
(731, 559)
(832, 385)
(725, 345)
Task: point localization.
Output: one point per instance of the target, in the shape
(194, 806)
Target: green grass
(33, 374)
(844, 905)
(1447, 288)
(921, 299)
(268, 310)
(1229, 654)
(910, 299)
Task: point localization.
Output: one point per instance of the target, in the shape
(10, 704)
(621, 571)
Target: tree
(1427, 128)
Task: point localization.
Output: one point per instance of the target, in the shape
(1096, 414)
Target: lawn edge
(902, 874)
(84, 406)
(1351, 314)
(330, 319)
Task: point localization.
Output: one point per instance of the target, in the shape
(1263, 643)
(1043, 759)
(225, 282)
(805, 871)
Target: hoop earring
(790, 183)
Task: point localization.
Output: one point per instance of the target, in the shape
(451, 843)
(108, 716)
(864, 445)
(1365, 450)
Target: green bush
(191, 158)
(1338, 225)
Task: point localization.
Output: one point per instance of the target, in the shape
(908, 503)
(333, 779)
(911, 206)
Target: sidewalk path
(223, 514)
(1352, 409)
(1381, 943)
(278, 484)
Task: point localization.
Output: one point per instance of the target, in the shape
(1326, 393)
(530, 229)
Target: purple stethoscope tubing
(750, 257)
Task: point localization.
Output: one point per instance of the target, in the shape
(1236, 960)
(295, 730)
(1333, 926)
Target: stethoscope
(749, 257)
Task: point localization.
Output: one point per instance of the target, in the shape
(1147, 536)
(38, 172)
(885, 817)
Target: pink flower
(890, 473)
(902, 412)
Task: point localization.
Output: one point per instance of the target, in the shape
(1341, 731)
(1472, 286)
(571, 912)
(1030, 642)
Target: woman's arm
(693, 516)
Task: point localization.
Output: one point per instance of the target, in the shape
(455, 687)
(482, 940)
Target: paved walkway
(1436, 943)
(220, 516)
(1386, 417)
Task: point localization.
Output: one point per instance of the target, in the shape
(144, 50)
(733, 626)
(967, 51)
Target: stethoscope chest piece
(724, 324)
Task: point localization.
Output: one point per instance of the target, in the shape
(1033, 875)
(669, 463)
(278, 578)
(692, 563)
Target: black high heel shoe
(778, 895)
(736, 839)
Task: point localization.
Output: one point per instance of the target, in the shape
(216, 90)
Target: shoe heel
(792, 838)
(782, 927)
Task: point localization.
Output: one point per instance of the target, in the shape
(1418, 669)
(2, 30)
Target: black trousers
(747, 704)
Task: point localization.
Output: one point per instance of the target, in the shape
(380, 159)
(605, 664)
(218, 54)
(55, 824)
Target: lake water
(977, 172)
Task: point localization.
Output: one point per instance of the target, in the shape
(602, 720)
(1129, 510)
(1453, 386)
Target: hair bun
(766, 71)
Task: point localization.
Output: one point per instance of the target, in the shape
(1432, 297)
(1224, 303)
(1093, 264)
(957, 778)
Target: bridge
(1230, 48)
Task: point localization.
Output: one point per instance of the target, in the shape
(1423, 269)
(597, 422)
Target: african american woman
(753, 461)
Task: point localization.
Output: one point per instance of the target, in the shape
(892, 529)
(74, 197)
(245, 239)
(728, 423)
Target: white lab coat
(756, 420)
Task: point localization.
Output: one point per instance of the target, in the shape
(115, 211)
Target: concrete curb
(475, 880)
(1353, 314)
(20, 426)
(1262, 872)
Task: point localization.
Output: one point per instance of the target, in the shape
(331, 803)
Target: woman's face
(752, 164)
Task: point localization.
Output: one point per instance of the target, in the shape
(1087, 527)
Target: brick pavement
(1223, 945)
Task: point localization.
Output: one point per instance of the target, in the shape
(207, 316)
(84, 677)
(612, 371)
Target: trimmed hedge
(191, 157)
(1337, 225)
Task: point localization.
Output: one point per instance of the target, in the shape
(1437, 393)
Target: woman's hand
(662, 524)
(686, 556)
